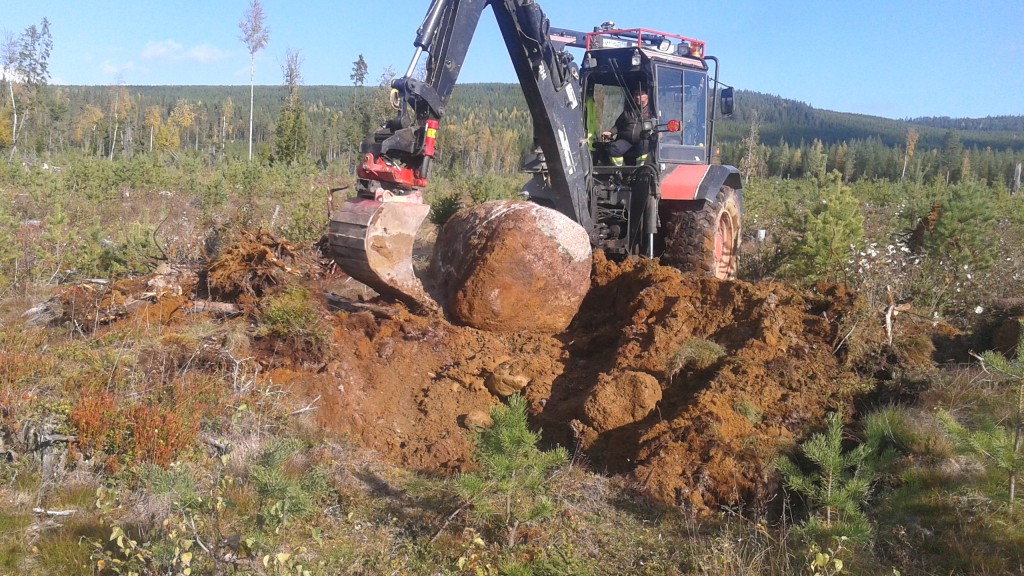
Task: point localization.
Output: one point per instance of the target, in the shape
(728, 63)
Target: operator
(626, 135)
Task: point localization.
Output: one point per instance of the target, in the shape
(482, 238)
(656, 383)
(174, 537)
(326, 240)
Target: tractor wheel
(704, 236)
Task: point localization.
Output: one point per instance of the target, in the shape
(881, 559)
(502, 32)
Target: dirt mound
(689, 384)
(744, 370)
(685, 384)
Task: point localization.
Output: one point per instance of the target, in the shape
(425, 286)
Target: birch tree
(8, 59)
(120, 107)
(255, 35)
(912, 137)
(152, 120)
(227, 115)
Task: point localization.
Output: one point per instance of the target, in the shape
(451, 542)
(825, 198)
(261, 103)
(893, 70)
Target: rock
(511, 266)
(622, 399)
(505, 380)
(476, 420)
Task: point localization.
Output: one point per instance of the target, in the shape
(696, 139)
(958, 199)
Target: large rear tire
(703, 236)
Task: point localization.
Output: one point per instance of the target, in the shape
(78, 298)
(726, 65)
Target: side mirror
(727, 101)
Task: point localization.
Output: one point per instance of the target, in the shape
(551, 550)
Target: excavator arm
(371, 236)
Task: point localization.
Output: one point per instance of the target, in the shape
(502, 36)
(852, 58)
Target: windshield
(682, 95)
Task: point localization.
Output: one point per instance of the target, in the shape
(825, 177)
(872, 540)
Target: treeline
(793, 121)
(488, 128)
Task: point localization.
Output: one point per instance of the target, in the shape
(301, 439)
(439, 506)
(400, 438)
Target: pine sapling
(999, 444)
(511, 488)
(839, 483)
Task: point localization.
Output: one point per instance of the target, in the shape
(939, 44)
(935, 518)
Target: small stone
(505, 380)
(476, 420)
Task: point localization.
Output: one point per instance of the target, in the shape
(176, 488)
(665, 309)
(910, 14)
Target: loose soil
(686, 386)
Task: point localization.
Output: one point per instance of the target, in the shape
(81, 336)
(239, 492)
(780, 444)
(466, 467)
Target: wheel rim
(724, 245)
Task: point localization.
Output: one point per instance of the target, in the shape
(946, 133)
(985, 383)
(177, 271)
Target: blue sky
(896, 59)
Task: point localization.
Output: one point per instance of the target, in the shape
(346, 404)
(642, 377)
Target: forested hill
(988, 124)
(780, 119)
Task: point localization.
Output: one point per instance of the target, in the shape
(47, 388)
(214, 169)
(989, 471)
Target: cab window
(682, 96)
(608, 103)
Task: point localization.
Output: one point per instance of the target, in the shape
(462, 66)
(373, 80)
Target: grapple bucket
(372, 242)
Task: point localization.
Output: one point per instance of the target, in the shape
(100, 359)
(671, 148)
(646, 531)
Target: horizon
(281, 86)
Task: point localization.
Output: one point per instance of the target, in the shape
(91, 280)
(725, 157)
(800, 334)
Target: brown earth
(688, 386)
(612, 385)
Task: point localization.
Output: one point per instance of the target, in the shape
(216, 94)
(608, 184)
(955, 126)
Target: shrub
(444, 208)
(825, 235)
(998, 444)
(132, 433)
(285, 494)
(292, 320)
(694, 353)
(307, 221)
(835, 487)
(511, 489)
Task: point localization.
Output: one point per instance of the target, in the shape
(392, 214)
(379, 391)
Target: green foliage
(826, 562)
(307, 221)
(493, 187)
(294, 321)
(887, 433)
(285, 494)
(825, 235)
(694, 353)
(962, 236)
(835, 487)
(359, 70)
(123, 554)
(135, 251)
(9, 253)
(291, 135)
(512, 487)
(443, 208)
(999, 444)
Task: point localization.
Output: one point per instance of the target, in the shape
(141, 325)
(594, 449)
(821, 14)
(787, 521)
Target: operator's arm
(617, 128)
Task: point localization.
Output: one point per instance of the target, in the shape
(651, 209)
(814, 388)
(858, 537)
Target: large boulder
(511, 266)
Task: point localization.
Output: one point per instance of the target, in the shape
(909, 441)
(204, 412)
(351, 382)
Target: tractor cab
(648, 113)
(672, 71)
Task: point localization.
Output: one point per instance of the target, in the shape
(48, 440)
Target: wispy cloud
(173, 51)
(205, 54)
(163, 50)
(112, 70)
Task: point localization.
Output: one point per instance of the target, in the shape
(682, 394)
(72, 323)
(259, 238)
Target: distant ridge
(781, 119)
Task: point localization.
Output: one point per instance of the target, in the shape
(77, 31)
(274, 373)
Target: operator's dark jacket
(628, 127)
(630, 123)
